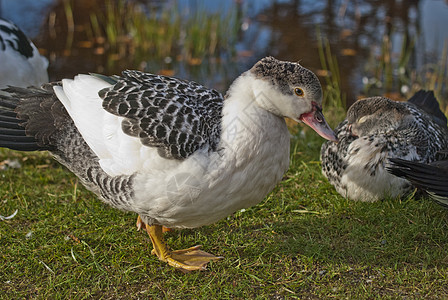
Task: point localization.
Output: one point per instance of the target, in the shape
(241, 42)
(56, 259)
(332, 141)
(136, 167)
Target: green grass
(303, 241)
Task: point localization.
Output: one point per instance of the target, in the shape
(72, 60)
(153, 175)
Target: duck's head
(375, 114)
(289, 90)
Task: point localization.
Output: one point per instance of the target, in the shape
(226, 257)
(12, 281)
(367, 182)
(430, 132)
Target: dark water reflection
(284, 29)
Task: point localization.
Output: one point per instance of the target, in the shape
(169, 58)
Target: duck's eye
(299, 92)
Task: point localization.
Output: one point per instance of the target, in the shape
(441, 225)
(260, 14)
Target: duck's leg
(140, 224)
(190, 259)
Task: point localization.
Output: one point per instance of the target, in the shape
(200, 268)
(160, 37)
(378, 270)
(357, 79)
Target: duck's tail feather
(29, 117)
(432, 178)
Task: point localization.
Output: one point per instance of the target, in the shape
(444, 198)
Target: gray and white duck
(174, 152)
(376, 130)
(21, 64)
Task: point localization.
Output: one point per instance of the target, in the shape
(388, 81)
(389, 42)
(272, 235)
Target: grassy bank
(303, 241)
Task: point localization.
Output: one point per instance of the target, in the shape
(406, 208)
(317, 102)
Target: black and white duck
(376, 130)
(21, 64)
(174, 152)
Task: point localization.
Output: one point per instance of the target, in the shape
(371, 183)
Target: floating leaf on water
(394, 96)
(100, 40)
(114, 57)
(346, 33)
(43, 51)
(195, 61)
(245, 53)
(323, 73)
(99, 51)
(348, 52)
(167, 72)
(85, 44)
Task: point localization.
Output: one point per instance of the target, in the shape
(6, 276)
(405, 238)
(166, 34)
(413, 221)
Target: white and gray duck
(375, 131)
(20, 62)
(174, 152)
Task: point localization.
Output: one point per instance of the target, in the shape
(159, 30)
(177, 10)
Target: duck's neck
(240, 95)
(245, 124)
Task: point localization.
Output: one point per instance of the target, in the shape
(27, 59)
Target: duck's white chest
(365, 177)
(252, 158)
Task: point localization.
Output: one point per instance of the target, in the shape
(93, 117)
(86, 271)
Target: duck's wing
(27, 124)
(138, 117)
(425, 128)
(432, 177)
(176, 116)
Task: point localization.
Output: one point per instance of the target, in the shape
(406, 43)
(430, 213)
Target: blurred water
(434, 18)
(284, 29)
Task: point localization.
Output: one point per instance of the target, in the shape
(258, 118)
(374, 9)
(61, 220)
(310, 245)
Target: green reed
(334, 99)
(129, 28)
(394, 71)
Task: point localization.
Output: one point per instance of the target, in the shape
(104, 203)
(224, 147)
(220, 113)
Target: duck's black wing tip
(426, 101)
(431, 178)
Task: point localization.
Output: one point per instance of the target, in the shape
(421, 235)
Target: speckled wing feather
(334, 155)
(426, 101)
(425, 133)
(178, 117)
